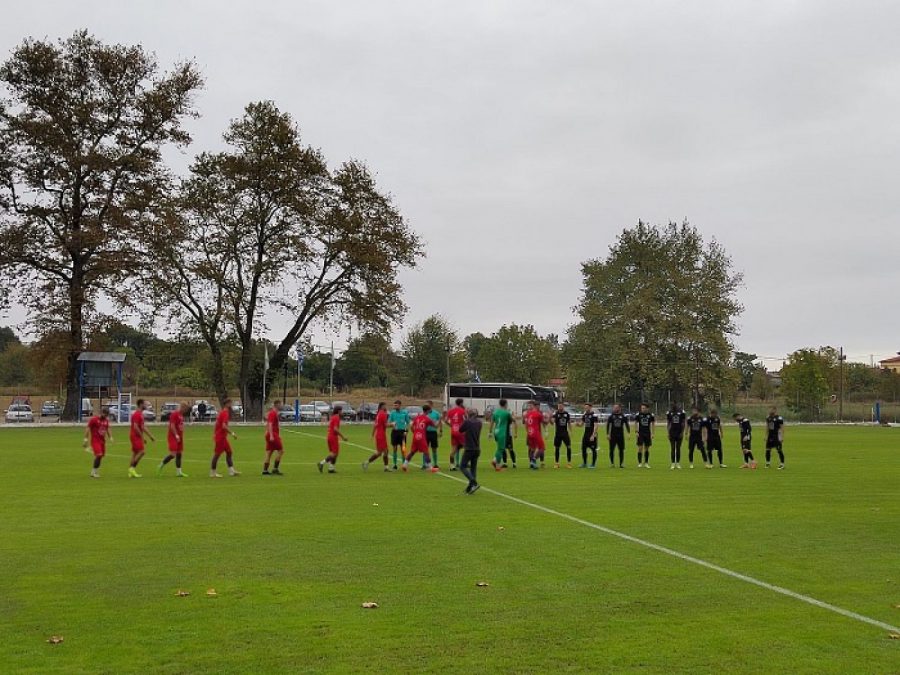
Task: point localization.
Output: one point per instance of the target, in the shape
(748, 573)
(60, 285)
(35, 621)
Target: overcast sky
(519, 138)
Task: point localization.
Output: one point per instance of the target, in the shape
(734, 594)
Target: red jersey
(176, 428)
(533, 420)
(333, 426)
(420, 425)
(99, 427)
(272, 420)
(456, 416)
(219, 431)
(381, 420)
(137, 425)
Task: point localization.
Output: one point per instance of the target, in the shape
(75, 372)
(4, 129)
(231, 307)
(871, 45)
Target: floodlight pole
(841, 358)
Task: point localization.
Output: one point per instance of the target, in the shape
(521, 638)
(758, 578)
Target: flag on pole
(266, 358)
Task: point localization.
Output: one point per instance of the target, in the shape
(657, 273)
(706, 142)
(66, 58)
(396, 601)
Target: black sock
(647, 456)
(593, 456)
(569, 454)
(265, 466)
(612, 455)
(215, 462)
(640, 457)
(768, 456)
(277, 463)
(228, 460)
(719, 453)
(584, 455)
(672, 451)
(178, 461)
(512, 455)
(97, 461)
(557, 455)
(678, 451)
(621, 456)
(750, 455)
(780, 456)
(167, 459)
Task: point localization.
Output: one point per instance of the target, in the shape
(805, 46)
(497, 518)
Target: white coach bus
(483, 395)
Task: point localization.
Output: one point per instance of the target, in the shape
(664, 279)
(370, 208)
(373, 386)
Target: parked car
(347, 411)
(308, 413)
(19, 412)
(87, 408)
(322, 407)
(367, 411)
(237, 409)
(120, 413)
(51, 409)
(209, 415)
(574, 413)
(286, 413)
(167, 409)
(413, 410)
(149, 415)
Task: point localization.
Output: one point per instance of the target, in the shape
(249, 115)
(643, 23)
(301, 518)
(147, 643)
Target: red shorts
(222, 445)
(535, 442)
(420, 446)
(137, 444)
(176, 448)
(457, 439)
(99, 448)
(333, 446)
(274, 444)
(381, 443)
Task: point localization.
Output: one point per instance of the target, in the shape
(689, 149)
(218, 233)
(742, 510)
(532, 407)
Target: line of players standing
(703, 433)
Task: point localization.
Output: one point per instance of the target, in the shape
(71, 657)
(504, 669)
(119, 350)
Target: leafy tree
(425, 350)
(81, 136)
(761, 385)
(805, 381)
(282, 234)
(745, 367)
(14, 365)
(517, 354)
(657, 313)
(368, 360)
(8, 337)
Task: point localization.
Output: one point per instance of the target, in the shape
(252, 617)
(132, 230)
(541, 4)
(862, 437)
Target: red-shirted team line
(97, 433)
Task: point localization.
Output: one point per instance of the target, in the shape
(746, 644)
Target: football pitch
(293, 558)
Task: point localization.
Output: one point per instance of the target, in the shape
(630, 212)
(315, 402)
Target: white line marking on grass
(668, 551)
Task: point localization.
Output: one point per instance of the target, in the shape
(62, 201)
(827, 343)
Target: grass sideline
(293, 558)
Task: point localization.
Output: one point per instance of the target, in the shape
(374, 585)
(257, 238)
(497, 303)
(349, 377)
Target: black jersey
(714, 427)
(644, 420)
(746, 431)
(695, 424)
(615, 423)
(773, 425)
(562, 420)
(675, 420)
(589, 420)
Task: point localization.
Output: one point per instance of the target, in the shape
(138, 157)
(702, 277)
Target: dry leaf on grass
(894, 636)
(211, 592)
(482, 584)
(376, 504)
(55, 639)
(370, 605)
(501, 528)
(182, 594)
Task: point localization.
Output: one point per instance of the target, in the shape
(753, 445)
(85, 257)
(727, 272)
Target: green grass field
(292, 559)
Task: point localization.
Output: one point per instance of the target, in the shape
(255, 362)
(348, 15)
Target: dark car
(166, 410)
(347, 411)
(367, 411)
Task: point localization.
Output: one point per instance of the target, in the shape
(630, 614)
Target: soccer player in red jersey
(97, 432)
(420, 437)
(221, 432)
(175, 439)
(534, 430)
(455, 417)
(274, 446)
(379, 433)
(334, 446)
(139, 434)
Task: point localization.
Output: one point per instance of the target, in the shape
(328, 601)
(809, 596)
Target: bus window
(517, 393)
(459, 391)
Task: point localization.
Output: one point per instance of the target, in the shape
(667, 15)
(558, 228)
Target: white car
(19, 412)
(308, 413)
(322, 407)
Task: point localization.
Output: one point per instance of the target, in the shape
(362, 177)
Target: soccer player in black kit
(616, 426)
(774, 437)
(695, 424)
(712, 436)
(589, 440)
(646, 425)
(675, 422)
(746, 433)
(562, 422)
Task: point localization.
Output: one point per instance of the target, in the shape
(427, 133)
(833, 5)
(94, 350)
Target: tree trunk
(218, 373)
(76, 335)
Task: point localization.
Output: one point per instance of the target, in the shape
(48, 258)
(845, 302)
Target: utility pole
(841, 359)
(331, 377)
